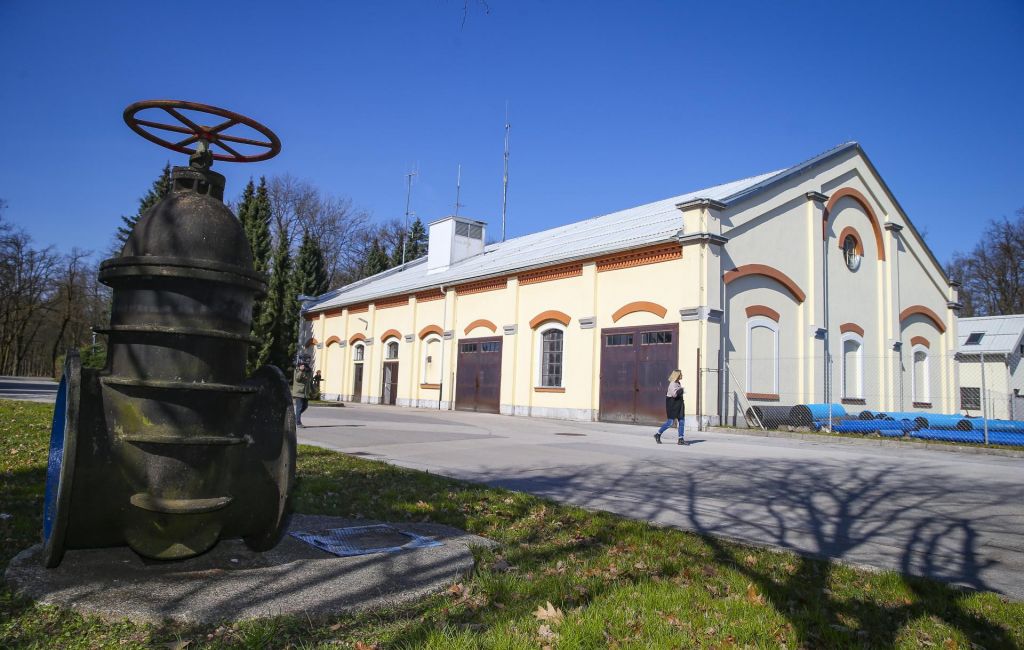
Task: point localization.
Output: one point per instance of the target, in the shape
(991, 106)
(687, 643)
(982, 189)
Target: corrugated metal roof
(643, 225)
(1000, 334)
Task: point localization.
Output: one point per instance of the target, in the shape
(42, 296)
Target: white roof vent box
(452, 239)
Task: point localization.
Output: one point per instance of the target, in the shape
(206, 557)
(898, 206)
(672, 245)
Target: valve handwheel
(193, 132)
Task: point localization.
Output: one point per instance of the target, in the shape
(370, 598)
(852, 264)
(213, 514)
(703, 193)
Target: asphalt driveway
(953, 516)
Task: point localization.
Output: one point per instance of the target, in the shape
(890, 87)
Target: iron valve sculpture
(170, 447)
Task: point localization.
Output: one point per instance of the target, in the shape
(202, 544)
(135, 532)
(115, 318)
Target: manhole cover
(364, 540)
(564, 433)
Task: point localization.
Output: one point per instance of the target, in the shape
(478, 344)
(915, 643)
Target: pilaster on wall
(812, 312)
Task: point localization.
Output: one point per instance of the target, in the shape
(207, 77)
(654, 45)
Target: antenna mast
(458, 190)
(408, 198)
(504, 185)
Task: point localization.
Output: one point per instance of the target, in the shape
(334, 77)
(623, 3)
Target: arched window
(391, 350)
(432, 360)
(852, 366)
(358, 352)
(551, 345)
(762, 356)
(921, 379)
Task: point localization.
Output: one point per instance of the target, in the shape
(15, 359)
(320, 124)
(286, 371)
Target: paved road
(34, 389)
(953, 516)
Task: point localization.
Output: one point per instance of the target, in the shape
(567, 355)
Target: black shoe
(657, 438)
(681, 442)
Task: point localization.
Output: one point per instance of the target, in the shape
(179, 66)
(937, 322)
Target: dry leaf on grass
(365, 646)
(753, 595)
(457, 589)
(550, 613)
(750, 560)
(545, 632)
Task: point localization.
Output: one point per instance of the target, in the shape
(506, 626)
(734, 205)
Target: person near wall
(301, 388)
(674, 406)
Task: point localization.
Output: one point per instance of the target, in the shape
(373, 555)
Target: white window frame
(539, 356)
(387, 343)
(859, 367)
(359, 346)
(752, 323)
(924, 396)
(425, 347)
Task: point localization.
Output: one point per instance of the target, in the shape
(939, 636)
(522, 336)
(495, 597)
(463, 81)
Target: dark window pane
(655, 338)
(619, 339)
(467, 347)
(491, 346)
(970, 398)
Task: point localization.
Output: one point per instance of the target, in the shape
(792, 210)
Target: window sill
(922, 405)
(765, 397)
(856, 401)
(430, 386)
(548, 389)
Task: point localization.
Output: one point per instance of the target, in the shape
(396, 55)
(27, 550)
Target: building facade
(808, 284)
(989, 369)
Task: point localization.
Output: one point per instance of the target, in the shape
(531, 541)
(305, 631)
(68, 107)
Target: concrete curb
(876, 442)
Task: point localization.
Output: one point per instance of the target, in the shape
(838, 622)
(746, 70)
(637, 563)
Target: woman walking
(675, 408)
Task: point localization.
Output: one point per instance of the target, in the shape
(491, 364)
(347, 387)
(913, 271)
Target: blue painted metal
(976, 436)
(55, 459)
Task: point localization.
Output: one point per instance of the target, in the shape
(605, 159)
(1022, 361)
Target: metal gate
(478, 375)
(389, 383)
(635, 364)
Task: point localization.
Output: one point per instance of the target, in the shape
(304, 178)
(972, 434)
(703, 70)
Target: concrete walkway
(924, 511)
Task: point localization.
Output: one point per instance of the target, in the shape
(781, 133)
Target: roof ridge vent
(452, 239)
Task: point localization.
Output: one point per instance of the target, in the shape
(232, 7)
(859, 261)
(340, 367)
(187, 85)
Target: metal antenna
(504, 185)
(458, 190)
(408, 198)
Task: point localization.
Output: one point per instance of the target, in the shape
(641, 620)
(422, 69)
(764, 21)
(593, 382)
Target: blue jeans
(668, 423)
(301, 403)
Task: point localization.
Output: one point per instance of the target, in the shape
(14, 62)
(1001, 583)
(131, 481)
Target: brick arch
(312, 341)
(638, 306)
(920, 340)
(761, 310)
(848, 231)
(851, 327)
(355, 338)
(431, 329)
(768, 272)
(850, 193)
(481, 322)
(390, 333)
(921, 310)
(332, 340)
(551, 314)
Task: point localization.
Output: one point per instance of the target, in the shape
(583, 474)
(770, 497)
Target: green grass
(618, 583)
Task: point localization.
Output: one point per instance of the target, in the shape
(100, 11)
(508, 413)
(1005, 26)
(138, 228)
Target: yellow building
(742, 286)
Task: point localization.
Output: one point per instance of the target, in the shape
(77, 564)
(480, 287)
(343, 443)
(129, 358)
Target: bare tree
(992, 273)
(334, 222)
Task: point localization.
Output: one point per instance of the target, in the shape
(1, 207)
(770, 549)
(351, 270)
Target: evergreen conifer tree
(274, 318)
(310, 268)
(160, 188)
(416, 241)
(254, 213)
(376, 259)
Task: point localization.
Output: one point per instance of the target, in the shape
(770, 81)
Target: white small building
(989, 351)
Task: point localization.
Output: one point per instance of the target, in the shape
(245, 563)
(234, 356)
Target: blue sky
(613, 104)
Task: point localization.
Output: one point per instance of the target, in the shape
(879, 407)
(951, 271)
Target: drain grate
(364, 540)
(564, 433)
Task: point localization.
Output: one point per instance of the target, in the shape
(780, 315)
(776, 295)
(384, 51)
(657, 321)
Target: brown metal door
(635, 364)
(389, 383)
(357, 383)
(478, 375)
(618, 375)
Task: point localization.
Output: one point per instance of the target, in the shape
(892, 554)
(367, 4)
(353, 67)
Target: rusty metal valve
(170, 447)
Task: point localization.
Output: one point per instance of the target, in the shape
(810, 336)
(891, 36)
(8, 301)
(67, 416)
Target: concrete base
(233, 583)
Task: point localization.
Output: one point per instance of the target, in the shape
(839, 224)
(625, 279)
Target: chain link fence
(910, 393)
